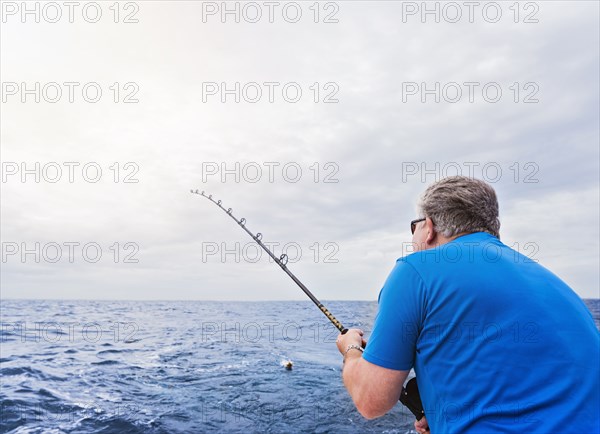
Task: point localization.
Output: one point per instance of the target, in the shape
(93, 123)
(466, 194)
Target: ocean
(181, 367)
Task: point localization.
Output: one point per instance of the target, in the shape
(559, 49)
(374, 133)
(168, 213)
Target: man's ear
(431, 232)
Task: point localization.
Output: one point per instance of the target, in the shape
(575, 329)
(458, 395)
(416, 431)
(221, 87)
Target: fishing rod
(409, 395)
(281, 261)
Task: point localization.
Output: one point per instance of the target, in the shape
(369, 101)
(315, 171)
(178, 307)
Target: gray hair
(459, 204)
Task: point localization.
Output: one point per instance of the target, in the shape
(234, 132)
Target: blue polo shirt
(499, 344)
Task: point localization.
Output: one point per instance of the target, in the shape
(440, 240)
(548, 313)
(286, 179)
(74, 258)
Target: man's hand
(351, 337)
(421, 426)
(374, 389)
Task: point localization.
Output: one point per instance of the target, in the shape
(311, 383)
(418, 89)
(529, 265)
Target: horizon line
(195, 300)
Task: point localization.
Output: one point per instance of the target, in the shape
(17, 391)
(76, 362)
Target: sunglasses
(413, 224)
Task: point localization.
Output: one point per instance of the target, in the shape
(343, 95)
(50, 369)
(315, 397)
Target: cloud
(542, 157)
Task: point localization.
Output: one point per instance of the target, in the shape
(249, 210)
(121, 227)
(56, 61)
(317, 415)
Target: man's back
(499, 343)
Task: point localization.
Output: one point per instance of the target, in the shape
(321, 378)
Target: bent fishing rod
(281, 261)
(409, 395)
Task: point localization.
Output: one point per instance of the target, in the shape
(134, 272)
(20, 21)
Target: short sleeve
(392, 343)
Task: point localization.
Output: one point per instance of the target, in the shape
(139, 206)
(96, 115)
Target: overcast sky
(367, 147)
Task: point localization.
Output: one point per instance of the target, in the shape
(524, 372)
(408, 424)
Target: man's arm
(374, 390)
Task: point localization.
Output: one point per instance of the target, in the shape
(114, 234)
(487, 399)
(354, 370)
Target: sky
(320, 123)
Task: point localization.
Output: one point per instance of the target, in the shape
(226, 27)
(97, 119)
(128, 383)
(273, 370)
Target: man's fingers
(358, 331)
(421, 430)
(421, 426)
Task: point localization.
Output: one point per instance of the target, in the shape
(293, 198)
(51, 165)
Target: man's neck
(441, 240)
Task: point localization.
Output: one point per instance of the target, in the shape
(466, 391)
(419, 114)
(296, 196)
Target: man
(498, 343)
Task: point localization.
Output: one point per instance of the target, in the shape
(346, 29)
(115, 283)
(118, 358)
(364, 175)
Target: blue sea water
(193, 367)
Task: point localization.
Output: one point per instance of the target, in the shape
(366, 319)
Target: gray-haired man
(498, 342)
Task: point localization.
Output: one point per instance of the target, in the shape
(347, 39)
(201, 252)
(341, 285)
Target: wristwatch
(353, 347)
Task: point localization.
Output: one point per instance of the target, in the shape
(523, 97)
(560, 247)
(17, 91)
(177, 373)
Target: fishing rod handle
(333, 319)
(411, 399)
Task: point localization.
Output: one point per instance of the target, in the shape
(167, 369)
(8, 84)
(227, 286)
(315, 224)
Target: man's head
(455, 206)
